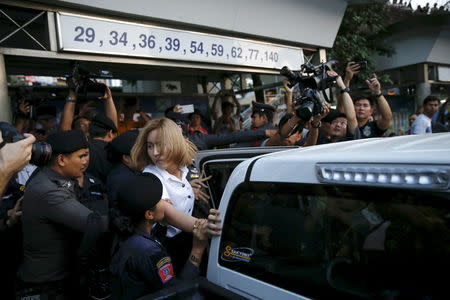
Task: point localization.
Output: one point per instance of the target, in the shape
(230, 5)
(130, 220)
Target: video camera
(312, 81)
(40, 151)
(82, 81)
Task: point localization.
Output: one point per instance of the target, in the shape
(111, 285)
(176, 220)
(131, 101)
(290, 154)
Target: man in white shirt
(423, 122)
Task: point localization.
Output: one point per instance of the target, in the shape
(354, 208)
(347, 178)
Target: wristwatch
(378, 95)
(71, 99)
(317, 125)
(345, 90)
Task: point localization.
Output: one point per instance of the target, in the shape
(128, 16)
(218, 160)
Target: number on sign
(196, 48)
(271, 56)
(150, 41)
(236, 52)
(116, 39)
(216, 50)
(172, 44)
(253, 53)
(89, 32)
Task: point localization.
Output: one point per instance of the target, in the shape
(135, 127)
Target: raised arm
(346, 102)
(238, 105)
(110, 107)
(68, 112)
(384, 110)
(288, 97)
(214, 111)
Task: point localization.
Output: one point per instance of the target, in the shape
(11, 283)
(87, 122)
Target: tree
(358, 37)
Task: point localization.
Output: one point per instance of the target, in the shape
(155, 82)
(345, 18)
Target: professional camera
(40, 153)
(82, 81)
(312, 81)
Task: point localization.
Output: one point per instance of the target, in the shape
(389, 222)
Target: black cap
(262, 108)
(124, 142)
(332, 115)
(45, 112)
(102, 121)
(69, 141)
(139, 193)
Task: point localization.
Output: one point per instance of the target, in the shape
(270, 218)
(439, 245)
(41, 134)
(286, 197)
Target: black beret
(45, 112)
(262, 108)
(102, 121)
(139, 193)
(69, 141)
(333, 115)
(124, 142)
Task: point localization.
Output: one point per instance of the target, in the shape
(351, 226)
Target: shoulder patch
(165, 272)
(163, 261)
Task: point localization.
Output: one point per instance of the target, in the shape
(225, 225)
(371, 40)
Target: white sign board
(443, 73)
(97, 35)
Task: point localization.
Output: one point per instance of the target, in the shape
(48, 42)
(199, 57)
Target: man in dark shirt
(364, 106)
(51, 214)
(102, 130)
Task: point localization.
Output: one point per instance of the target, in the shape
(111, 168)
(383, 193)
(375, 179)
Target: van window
(325, 241)
(220, 172)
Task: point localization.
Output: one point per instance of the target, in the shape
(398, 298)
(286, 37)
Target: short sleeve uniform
(140, 266)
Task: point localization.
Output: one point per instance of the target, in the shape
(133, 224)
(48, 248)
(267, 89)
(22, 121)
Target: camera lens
(40, 153)
(305, 111)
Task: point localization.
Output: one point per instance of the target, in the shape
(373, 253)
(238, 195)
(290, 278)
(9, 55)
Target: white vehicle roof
(299, 165)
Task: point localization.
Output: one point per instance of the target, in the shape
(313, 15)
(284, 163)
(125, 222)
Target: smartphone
(362, 64)
(187, 109)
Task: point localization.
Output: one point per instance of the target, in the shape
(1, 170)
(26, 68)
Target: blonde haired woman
(162, 150)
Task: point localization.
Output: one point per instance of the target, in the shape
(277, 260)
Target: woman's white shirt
(178, 191)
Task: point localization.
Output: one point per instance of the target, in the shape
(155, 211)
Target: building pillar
(5, 103)
(423, 86)
(423, 89)
(322, 55)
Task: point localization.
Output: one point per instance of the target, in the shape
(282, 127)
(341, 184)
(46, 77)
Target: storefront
(179, 52)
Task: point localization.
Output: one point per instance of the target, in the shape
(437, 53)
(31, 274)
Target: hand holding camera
(14, 156)
(18, 149)
(374, 84)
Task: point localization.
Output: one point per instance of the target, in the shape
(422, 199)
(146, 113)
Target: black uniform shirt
(119, 174)
(99, 165)
(51, 214)
(140, 266)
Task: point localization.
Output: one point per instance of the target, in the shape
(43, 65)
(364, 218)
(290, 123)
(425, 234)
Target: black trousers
(179, 248)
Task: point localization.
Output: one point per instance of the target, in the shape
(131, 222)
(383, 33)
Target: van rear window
(324, 241)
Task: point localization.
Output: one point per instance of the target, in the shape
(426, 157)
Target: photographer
(364, 105)
(13, 157)
(70, 121)
(343, 128)
(228, 121)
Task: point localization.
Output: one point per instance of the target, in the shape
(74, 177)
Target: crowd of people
(117, 210)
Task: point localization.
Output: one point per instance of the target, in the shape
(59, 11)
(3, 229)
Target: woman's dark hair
(123, 226)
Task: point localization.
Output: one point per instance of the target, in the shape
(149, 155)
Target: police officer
(51, 214)
(262, 117)
(102, 130)
(141, 265)
(119, 154)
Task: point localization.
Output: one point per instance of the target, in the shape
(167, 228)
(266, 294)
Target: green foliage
(357, 38)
